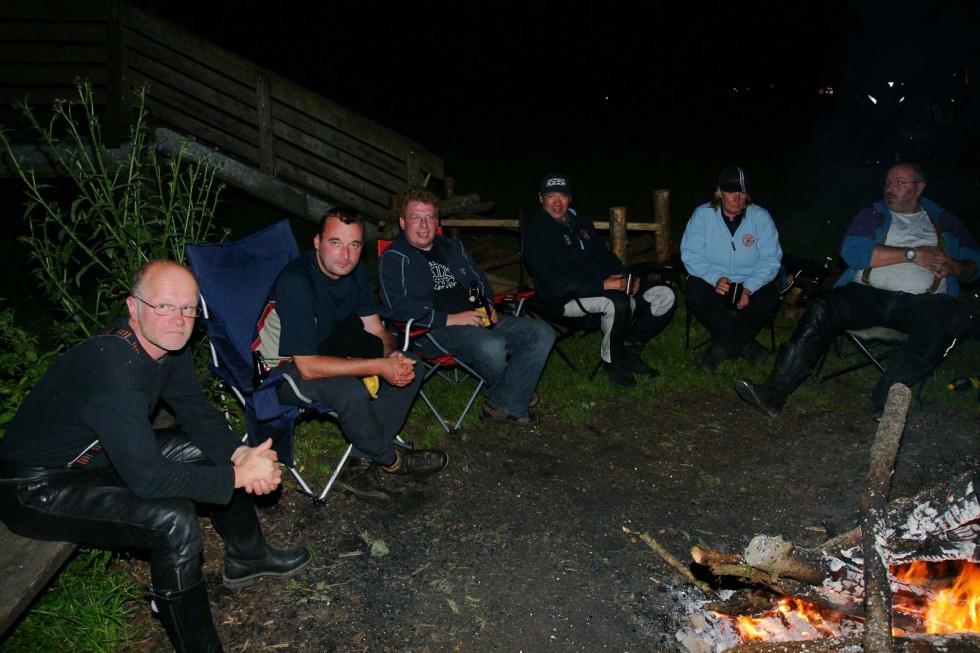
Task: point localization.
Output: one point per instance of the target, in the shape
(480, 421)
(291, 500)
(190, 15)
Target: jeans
(369, 424)
(97, 508)
(510, 357)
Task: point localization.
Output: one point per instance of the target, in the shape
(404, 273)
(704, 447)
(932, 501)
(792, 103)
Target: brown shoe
(360, 480)
(495, 416)
(418, 462)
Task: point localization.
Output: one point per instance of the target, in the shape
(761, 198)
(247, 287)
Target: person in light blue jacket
(732, 255)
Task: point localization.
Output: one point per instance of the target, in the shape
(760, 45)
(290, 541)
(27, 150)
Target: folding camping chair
(445, 365)
(234, 280)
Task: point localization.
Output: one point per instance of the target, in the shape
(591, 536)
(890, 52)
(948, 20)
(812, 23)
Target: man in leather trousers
(906, 257)
(81, 462)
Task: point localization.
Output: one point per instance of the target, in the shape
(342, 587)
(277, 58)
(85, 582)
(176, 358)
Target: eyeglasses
(415, 219)
(899, 183)
(166, 310)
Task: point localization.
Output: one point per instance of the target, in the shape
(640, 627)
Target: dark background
(628, 98)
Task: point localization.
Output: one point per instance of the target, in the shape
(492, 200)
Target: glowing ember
(945, 599)
(792, 619)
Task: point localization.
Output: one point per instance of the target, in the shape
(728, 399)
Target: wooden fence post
(617, 231)
(661, 221)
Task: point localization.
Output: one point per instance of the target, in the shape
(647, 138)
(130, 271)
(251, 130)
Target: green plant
(127, 206)
(89, 607)
(22, 363)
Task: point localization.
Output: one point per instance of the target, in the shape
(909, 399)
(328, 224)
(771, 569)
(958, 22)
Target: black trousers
(731, 329)
(96, 508)
(932, 323)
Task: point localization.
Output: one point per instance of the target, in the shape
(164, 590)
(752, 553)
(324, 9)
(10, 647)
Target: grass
(89, 607)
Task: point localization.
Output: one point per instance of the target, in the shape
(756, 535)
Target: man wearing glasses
(81, 461)
(906, 257)
(423, 273)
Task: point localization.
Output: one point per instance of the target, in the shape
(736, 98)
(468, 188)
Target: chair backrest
(235, 279)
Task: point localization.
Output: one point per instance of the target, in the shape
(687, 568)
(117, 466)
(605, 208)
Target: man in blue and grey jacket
(906, 257)
(429, 275)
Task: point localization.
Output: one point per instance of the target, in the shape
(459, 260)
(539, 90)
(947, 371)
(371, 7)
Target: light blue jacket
(752, 256)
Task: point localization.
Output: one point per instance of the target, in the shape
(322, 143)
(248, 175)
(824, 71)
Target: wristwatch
(910, 254)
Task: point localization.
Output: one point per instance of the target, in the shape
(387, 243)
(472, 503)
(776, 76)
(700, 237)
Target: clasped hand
(257, 468)
(398, 369)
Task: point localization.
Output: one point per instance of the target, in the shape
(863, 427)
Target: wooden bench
(27, 566)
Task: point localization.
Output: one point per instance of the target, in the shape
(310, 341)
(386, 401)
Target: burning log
(849, 574)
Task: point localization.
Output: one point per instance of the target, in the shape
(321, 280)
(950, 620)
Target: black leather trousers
(96, 508)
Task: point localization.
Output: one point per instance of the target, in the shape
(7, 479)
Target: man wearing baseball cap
(576, 273)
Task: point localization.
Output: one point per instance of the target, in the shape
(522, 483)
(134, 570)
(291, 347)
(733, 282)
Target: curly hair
(417, 194)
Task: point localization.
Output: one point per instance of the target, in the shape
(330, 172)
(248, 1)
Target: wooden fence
(196, 89)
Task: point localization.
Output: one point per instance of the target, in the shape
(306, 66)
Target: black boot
(276, 563)
(755, 353)
(619, 374)
(634, 362)
(186, 616)
(710, 358)
(769, 397)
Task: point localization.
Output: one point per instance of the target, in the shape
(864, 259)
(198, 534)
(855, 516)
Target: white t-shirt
(906, 230)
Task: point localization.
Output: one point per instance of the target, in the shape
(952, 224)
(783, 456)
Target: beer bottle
(480, 303)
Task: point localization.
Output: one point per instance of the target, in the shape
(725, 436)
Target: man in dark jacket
(81, 462)
(906, 256)
(574, 271)
(426, 274)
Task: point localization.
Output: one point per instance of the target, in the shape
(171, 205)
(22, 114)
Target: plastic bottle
(480, 302)
(963, 384)
(813, 288)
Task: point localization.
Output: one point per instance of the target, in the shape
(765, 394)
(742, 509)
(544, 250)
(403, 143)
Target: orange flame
(952, 609)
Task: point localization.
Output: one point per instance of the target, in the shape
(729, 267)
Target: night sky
(676, 89)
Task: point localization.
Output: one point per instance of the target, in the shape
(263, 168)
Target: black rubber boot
(186, 617)
(711, 358)
(769, 397)
(619, 374)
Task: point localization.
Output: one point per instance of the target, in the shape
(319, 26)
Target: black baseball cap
(555, 182)
(735, 180)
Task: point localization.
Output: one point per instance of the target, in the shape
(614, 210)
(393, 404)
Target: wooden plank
(342, 119)
(204, 132)
(514, 224)
(289, 122)
(335, 193)
(180, 89)
(267, 151)
(189, 45)
(52, 32)
(27, 566)
(144, 50)
(53, 53)
(52, 74)
(364, 186)
(325, 149)
(47, 9)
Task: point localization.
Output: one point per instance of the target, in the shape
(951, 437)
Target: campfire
(907, 580)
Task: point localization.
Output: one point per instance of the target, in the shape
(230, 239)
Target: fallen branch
(671, 560)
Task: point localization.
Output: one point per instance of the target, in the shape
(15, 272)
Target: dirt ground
(519, 545)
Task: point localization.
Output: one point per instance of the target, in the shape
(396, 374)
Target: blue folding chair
(234, 280)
